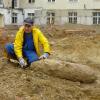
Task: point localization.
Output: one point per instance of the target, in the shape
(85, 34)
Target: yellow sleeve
(43, 40)
(18, 43)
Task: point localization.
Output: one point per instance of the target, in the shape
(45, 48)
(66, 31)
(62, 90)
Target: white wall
(8, 16)
(39, 19)
(66, 4)
(26, 11)
(20, 18)
(5, 16)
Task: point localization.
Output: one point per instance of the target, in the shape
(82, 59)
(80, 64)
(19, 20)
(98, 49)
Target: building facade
(13, 12)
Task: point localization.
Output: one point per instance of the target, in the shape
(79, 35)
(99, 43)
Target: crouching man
(26, 45)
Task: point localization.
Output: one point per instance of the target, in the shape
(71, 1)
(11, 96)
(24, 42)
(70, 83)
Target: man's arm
(46, 47)
(18, 43)
(43, 40)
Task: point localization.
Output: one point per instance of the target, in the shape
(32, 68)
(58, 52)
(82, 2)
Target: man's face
(27, 28)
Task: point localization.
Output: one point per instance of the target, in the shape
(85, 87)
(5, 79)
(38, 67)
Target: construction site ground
(77, 44)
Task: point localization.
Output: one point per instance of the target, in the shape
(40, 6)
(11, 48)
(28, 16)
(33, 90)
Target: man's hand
(44, 56)
(22, 62)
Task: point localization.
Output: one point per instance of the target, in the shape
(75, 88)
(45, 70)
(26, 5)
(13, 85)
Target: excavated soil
(71, 73)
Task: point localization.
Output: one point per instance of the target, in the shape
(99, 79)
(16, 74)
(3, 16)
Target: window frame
(72, 17)
(51, 0)
(32, 16)
(96, 18)
(14, 18)
(50, 17)
(72, 1)
(31, 1)
(15, 3)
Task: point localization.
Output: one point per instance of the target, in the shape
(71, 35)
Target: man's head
(28, 23)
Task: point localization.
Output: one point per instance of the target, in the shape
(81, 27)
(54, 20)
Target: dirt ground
(69, 43)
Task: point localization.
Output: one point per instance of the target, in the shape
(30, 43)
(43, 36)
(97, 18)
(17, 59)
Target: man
(26, 45)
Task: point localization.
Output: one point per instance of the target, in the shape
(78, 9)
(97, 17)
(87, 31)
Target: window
(31, 15)
(72, 17)
(31, 1)
(1, 2)
(50, 17)
(15, 3)
(14, 17)
(51, 0)
(73, 0)
(96, 17)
